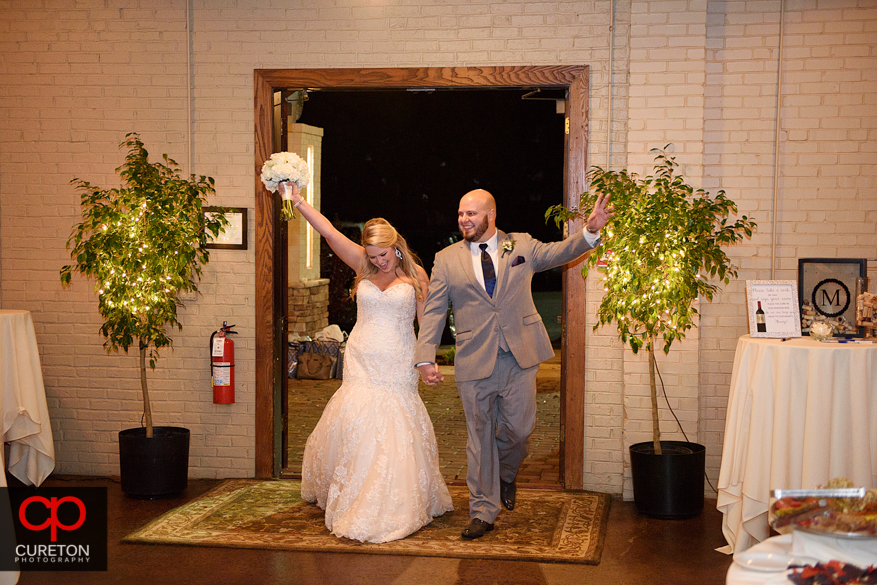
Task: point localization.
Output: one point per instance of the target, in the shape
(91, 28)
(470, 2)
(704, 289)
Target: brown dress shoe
(476, 529)
(507, 493)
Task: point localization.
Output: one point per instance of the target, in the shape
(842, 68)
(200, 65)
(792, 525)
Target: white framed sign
(772, 308)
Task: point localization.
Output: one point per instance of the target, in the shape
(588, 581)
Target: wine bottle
(759, 319)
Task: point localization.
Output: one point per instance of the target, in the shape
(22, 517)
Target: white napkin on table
(862, 553)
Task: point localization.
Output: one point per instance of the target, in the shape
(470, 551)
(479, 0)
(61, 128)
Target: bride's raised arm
(349, 251)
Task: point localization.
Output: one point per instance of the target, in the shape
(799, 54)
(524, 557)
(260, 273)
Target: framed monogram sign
(827, 289)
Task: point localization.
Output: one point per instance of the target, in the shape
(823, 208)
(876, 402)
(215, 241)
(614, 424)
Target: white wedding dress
(372, 461)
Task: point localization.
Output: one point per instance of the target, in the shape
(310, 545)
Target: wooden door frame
(269, 316)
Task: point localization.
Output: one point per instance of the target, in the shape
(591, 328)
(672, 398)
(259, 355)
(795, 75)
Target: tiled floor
(307, 398)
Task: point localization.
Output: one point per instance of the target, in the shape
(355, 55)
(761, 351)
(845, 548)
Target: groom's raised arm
(551, 254)
(556, 253)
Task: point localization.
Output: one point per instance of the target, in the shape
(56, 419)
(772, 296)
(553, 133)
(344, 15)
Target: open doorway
(270, 290)
(408, 156)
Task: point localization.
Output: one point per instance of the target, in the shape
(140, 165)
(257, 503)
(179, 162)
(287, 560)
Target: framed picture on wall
(773, 308)
(234, 235)
(827, 289)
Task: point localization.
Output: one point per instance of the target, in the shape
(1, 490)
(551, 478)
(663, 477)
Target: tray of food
(837, 510)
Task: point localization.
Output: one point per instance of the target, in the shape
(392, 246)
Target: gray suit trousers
(500, 415)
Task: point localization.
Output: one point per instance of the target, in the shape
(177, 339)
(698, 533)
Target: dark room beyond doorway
(409, 156)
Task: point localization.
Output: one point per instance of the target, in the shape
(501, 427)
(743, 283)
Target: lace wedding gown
(372, 461)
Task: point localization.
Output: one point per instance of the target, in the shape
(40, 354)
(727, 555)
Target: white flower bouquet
(282, 167)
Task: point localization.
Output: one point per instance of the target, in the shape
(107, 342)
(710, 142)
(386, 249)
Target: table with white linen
(25, 425)
(800, 412)
(25, 415)
(797, 548)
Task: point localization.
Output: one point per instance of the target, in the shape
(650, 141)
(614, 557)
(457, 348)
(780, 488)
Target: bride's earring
(398, 254)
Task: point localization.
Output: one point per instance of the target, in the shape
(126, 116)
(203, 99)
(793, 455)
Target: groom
(500, 341)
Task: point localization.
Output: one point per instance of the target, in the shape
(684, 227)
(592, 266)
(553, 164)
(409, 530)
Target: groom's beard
(479, 231)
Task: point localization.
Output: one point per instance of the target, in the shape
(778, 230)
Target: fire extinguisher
(222, 365)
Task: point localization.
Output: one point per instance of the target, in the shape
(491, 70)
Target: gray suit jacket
(481, 321)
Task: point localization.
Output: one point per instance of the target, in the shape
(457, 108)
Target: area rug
(545, 526)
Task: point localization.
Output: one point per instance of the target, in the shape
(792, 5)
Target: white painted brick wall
(666, 106)
(826, 200)
(698, 74)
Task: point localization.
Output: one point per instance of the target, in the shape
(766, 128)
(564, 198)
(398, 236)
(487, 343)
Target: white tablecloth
(800, 412)
(25, 425)
(25, 416)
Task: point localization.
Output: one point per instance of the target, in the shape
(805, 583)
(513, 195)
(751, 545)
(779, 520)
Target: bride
(372, 461)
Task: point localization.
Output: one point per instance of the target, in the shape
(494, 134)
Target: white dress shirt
(475, 250)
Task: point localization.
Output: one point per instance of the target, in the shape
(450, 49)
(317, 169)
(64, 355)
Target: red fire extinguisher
(222, 365)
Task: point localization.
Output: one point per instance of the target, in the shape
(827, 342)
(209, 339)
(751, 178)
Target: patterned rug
(546, 526)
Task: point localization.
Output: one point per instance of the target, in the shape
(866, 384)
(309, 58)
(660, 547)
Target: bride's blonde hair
(379, 233)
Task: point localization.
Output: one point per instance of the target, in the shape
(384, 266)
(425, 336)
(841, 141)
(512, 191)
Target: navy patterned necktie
(487, 269)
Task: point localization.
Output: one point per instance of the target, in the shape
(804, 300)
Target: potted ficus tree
(143, 244)
(662, 249)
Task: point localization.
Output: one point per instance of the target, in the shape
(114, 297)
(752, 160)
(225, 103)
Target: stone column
(308, 306)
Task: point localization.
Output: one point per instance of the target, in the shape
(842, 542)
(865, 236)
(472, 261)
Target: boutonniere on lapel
(508, 246)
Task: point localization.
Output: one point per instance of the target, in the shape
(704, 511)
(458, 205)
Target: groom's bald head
(476, 216)
(482, 198)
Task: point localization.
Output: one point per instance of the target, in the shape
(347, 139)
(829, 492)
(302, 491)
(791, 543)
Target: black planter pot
(156, 467)
(669, 485)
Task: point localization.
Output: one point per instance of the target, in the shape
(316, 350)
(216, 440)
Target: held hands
(601, 214)
(430, 374)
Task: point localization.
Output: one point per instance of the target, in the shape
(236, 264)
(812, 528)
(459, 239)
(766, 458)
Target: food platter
(832, 534)
(849, 513)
